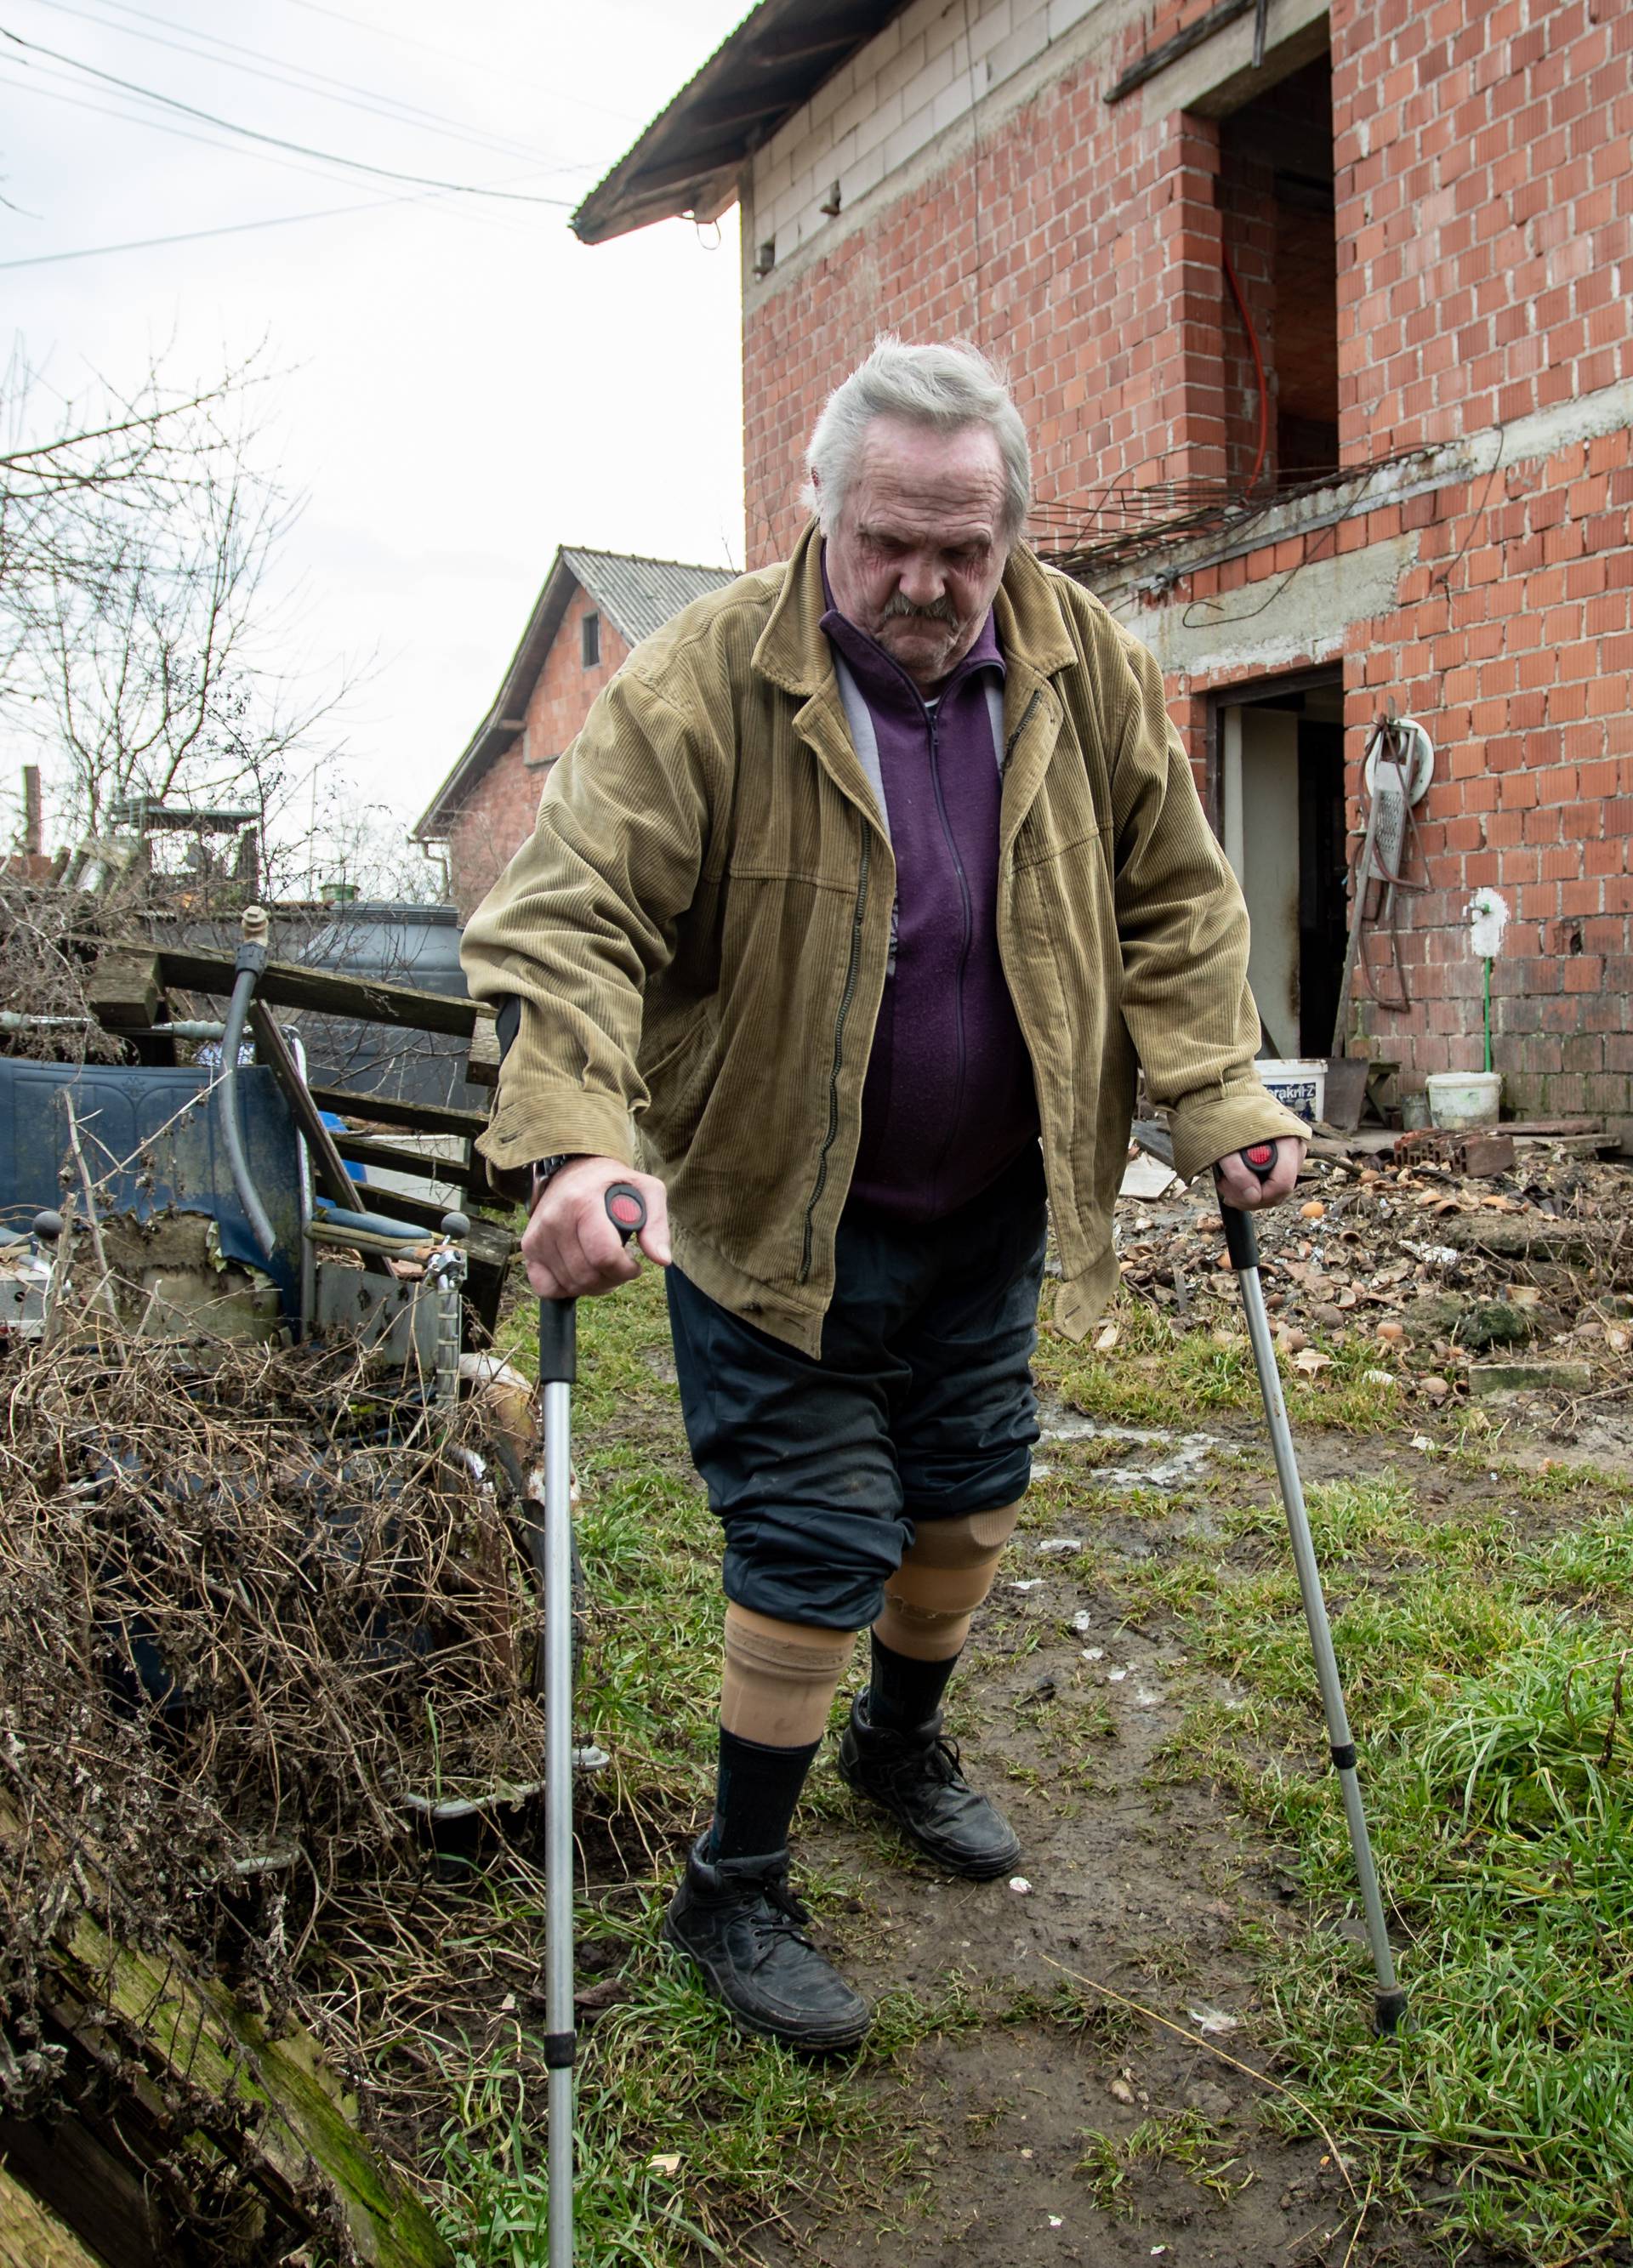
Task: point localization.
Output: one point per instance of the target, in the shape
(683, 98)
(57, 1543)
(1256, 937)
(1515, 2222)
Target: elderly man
(847, 918)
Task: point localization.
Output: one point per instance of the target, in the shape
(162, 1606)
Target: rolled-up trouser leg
(946, 1571)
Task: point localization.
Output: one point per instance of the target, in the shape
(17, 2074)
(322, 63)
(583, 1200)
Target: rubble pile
(1457, 1279)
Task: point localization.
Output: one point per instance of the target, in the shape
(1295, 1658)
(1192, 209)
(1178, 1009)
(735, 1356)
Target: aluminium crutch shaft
(1389, 2000)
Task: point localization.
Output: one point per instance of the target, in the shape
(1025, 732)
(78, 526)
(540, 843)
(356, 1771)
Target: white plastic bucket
(1464, 1098)
(1298, 1082)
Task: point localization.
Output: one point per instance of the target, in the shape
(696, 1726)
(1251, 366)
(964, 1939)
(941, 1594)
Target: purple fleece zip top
(948, 1099)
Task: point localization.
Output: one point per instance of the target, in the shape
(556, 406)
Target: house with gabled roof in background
(595, 608)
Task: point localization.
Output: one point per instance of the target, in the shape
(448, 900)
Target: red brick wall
(1485, 184)
(1484, 222)
(497, 814)
(1076, 245)
(1513, 645)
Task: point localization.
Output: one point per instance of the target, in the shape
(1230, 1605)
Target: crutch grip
(1241, 1238)
(558, 1342)
(626, 1209)
(558, 1330)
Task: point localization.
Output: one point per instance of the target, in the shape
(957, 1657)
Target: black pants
(920, 1405)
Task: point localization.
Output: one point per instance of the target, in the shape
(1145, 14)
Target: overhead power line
(277, 141)
(197, 235)
(279, 71)
(78, 100)
(466, 63)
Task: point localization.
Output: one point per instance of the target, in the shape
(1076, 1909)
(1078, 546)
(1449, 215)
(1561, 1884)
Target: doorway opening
(1280, 790)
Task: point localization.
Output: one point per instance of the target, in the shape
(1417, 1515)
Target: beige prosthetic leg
(892, 1750)
(945, 1573)
(780, 1678)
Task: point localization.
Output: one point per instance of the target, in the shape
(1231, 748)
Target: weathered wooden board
(124, 990)
(386, 1110)
(482, 1063)
(425, 1165)
(31, 2237)
(294, 2136)
(325, 992)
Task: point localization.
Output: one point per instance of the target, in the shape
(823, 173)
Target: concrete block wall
(497, 814)
(1484, 220)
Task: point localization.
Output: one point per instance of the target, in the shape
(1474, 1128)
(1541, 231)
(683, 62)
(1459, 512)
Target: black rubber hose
(231, 1130)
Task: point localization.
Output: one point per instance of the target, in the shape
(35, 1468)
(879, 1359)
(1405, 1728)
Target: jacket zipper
(964, 955)
(845, 997)
(1009, 744)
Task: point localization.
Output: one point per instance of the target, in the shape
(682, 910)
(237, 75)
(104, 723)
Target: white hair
(946, 388)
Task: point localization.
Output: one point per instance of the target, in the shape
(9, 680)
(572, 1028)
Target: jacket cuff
(1207, 1128)
(548, 1122)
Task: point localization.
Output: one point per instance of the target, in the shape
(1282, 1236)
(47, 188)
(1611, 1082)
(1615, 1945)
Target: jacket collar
(793, 652)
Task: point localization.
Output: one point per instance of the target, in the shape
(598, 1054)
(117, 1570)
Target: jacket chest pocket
(790, 825)
(1067, 814)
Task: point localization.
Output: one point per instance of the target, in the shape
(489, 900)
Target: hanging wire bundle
(1121, 521)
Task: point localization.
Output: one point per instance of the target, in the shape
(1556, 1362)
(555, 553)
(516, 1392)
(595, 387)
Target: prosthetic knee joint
(945, 1573)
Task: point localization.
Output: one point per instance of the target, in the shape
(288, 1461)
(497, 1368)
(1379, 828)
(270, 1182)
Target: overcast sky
(463, 385)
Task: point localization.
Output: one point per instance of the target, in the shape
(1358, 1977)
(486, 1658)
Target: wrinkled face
(917, 550)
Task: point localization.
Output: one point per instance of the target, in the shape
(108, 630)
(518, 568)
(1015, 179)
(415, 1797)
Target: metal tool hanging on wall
(1396, 771)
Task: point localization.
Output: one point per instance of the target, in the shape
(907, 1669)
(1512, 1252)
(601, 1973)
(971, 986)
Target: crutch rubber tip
(1390, 2012)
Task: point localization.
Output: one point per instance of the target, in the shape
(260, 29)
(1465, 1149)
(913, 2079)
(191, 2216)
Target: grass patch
(687, 2133)
(1183, 2139)
(1162, 1374)
(1487, 1684)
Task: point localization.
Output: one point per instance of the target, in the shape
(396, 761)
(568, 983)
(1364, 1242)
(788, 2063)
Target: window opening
(1280, 299)
(591, 629)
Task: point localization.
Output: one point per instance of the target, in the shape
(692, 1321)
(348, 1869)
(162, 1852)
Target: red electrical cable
(1259, 364)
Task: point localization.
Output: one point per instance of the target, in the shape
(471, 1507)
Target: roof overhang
(689, 158)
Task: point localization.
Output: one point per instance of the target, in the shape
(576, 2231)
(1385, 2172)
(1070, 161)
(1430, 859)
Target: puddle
(1188, 1453)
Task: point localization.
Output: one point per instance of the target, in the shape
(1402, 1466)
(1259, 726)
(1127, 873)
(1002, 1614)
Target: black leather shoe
(739, 1923)
(915, 1776)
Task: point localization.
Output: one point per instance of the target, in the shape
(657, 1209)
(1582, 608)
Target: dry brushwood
(44, 974)
(247, 1606)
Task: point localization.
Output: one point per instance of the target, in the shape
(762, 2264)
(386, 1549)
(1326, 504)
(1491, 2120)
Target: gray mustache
(939, 610)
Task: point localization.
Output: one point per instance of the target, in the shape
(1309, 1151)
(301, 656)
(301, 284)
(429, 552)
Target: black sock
(754, 1796)
(904, 1694)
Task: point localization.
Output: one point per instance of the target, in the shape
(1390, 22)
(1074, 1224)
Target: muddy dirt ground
(1134, 1877)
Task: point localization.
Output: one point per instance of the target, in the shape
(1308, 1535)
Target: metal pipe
(308, 1194)
(558, 1857)
(376, 1224)
(231, 1130)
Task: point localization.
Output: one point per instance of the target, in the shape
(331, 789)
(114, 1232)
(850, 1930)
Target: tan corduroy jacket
(697, 932)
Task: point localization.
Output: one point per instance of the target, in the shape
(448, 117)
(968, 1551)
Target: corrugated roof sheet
(642, 594)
